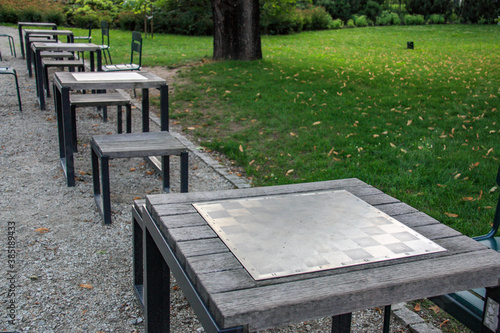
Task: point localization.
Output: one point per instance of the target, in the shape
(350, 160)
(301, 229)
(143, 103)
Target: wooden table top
(108, 80)
(65, 46)
(236, 299)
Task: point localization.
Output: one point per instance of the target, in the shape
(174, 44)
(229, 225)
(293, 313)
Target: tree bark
(236, 29)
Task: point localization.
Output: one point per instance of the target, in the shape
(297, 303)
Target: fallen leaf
(289, 172)
(42, 230)
(444, 323)
(409, 122)
(457, 175)
(241, 148)
(435, 308)
(493, 189)
(137, 198)
(467, 198)
(293, 134)
(417, 307)
(317, 123)
(85, 286)
(393, 145)
(150, 172)
(451, 215)
(132, 169)
(251, 162)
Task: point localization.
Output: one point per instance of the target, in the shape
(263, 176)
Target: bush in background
(414, 19)
(350, 23)
(337, 24)
(388, 18)
(12, 11)
(338, 9)
(361, 21)
(436, 19)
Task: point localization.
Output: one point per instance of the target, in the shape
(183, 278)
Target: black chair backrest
(105, 33)
(136, 47)
(496, 219)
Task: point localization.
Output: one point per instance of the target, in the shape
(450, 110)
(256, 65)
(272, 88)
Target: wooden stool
(106, 147)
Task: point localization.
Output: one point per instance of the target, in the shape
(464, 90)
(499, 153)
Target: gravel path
(67, 272)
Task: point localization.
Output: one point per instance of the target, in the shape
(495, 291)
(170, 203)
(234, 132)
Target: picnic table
(218, 250)
(64, 82)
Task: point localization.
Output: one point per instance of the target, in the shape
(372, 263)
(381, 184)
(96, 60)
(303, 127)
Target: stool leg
(165, 172)
(129, 118)
(184, 171)
(105, 114)
(106, 200)
(46, 80)
(96, 181)
(119, 118)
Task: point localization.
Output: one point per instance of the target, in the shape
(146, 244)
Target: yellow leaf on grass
(42, 230)
(241, 148)
(417, 307)
(467, 198)
(451, 215)
(435, 308)
(85, 286)
(289, 172)
(393, 145)
(317, 123)
(409, 122)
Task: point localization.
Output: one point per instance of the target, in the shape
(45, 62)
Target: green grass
(421, 125)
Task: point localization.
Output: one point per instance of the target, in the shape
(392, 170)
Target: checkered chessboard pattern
(297, 233)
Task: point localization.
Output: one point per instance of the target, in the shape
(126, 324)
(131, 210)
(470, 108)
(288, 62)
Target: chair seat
(121, 67)
(106, 99)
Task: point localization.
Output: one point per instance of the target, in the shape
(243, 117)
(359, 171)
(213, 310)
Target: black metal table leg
(184, 171)
(341, 323)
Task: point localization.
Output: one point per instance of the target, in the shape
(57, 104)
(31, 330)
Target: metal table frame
(39, 47)
(64, 82)
(27, 43)
(20, 26)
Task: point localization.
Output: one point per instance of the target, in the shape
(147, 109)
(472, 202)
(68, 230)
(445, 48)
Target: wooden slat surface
(235, 299)
(138, 144)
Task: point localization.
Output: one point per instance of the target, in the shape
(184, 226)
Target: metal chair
(11, 45)
(105, 42)
(136, 48)
(12, 71)
(87, 39)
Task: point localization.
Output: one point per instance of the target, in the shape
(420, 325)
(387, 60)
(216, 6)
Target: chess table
(252, 259)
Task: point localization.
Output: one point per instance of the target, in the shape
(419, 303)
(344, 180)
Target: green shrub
(436, 19)
(336, 8)
(337, 24)
(350, 23)
(128, 20)
(395, 19)
(372, 10)
(8, 14)
(414, 19)
(320, 19)
(31, 14)
(384, 19)
(283, 23)
(361, 21)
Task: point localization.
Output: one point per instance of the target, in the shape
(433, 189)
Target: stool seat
(147, 144)
(137, 145)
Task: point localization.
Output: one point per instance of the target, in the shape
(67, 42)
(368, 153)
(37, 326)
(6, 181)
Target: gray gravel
(69, 273)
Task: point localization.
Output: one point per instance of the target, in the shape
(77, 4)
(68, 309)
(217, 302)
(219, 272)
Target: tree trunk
(236, 29)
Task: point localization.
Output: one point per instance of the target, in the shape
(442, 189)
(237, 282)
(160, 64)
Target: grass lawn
(423, 125)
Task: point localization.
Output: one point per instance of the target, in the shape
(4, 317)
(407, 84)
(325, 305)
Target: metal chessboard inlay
(282, 235)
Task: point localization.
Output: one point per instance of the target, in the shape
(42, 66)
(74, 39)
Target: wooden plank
(199, 248)
(416, 219)
(183, 221)
(396, 209)
(353, 185)
(159, 211)
(217, 262)
(210, 285)
(189, 233)
(277, 305)
(99, 99)
(137, 144)
(66, 79)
